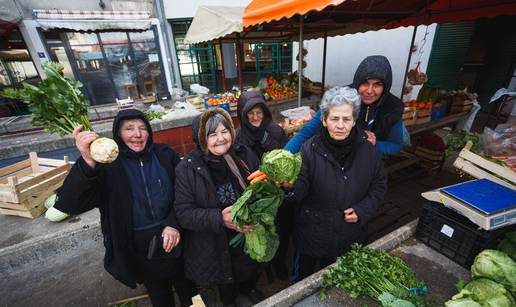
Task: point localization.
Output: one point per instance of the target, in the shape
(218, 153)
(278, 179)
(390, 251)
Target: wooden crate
(479, 167)
(429, 154)
(315, 89)
(423, 120)
(24, 186)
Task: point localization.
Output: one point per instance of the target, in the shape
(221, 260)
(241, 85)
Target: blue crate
(224, 106)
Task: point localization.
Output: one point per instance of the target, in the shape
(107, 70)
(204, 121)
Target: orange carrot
(259, 178)
(255, 174)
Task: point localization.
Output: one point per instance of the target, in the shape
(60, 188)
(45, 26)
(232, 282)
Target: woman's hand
(228, 222)
(83, 140)
(350, 216)
(171, 238)
(371, 137)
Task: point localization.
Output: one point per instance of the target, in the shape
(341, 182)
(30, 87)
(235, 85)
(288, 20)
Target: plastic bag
(262, 84)
(199, 89)
(156, 108)
(178, 94)
(500, 143)
(298, 116)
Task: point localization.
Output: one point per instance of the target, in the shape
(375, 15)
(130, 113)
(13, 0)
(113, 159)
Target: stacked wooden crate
(24, 186)
(409, 116)
(460, 104)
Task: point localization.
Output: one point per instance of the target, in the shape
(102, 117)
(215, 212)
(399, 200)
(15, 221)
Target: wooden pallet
(24, 186)
(478, 167)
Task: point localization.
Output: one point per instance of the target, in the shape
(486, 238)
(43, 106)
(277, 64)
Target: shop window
(110, 64)
(196, 62)
(16, 66)
(92, 66)
(147, 62)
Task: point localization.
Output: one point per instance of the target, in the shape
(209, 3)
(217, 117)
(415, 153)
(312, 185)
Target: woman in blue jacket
(381, 112)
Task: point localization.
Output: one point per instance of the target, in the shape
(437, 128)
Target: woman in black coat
(259, 132)
(340, 185)
(135, 197)
(213, 176)
(256, 128)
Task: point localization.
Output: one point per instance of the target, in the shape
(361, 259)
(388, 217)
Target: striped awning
(93, 20)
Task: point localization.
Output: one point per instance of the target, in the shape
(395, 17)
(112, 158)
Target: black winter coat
(324, 190)
(107, 189)
(199, 213)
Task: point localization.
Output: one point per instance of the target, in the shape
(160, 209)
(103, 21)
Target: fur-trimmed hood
(199, 127)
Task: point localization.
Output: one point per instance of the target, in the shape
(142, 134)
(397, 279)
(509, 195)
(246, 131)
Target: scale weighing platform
(486, 203)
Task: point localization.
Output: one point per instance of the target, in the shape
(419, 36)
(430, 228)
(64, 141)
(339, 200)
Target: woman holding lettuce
(213, 176)
(340, 185)
(261, 134)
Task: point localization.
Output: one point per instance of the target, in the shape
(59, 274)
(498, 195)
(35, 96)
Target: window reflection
(147, 62)
(110, 64)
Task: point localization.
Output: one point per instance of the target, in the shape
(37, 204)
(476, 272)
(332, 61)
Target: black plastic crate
(455, 236)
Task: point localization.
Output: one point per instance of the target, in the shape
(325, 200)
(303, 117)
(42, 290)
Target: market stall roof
(212, 22)
(217, 22)
(338, 17)
(443, 11)
(93, 20)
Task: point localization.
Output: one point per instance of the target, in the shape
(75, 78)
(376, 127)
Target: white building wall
(344, 53)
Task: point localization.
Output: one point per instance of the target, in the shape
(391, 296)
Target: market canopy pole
(408, 62)
(300, 62)
(239, 62)
(223, 70)
(324, 61)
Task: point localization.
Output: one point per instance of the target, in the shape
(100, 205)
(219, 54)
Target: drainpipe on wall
(168, 41)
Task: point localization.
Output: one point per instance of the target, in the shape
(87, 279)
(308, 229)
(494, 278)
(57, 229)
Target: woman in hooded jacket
(256, 129)
(260, 133)
(381, 112)
(135, 196)
(213, 176)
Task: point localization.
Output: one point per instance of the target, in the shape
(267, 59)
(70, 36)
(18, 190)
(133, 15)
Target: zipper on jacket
(146, 190)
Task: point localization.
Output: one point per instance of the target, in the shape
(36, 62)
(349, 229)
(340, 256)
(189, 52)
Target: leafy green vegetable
(463, 302)
(487, 293)
(57, 104)
(363, 271)
(151, 115)
(281, 165)
(389, 300)
(508, 245)
(457, 140)
(258, 206)
(497, 266)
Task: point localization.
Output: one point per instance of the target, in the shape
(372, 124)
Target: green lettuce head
(487, 293)
(508, 245)
(281, 165)
(497, 266)
(462, 302)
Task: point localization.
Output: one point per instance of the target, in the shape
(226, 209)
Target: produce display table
(439, 273)
(449, 120)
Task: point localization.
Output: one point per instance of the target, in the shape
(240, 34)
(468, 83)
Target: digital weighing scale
(486, 203)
